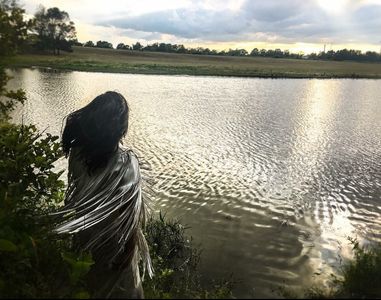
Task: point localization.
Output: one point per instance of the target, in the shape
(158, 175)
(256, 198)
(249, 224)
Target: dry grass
(125, 61)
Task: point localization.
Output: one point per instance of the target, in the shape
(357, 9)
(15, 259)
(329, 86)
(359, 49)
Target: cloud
(367, 19)
(239, 21)
(270, 20)
(186, 23)
(273, 10)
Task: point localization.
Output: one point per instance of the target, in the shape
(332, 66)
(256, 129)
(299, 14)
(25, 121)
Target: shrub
(176, 261)
(359, 278)
(33, 262)
(362, 275)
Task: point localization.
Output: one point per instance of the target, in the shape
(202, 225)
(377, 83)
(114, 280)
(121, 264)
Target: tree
(180, 49)
(89, 44)
(75, 42)
(13, 28)
(54, 29)
(122, 46)
(103, 44)
(137, 46)
(372, 56)
(254, 52)
(237, 52)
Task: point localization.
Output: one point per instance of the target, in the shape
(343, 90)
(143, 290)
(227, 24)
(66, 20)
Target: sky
(295, 25)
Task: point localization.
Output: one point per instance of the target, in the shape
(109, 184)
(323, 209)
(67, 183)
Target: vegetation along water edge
(145, 62)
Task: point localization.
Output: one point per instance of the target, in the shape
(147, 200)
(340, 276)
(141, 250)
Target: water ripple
(271, 175)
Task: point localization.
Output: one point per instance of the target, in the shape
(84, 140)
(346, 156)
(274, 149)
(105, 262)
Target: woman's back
(103, 207)
(110, 210)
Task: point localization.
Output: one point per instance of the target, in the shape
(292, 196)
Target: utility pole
(324, 49)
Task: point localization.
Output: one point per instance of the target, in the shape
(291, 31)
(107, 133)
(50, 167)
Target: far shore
(141, 62)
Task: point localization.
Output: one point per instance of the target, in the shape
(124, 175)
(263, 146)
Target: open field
(125, 61)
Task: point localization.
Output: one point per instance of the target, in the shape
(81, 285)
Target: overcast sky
(297, 25)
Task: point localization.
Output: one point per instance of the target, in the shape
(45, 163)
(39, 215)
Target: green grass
(125, 61)
(359, 278)
(362, 276)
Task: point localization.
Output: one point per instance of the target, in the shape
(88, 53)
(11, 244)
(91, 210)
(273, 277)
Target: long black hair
(96, 129)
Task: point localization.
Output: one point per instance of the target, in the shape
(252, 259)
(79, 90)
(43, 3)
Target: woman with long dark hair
(103, 207)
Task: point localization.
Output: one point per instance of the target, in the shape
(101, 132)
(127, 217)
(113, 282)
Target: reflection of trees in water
(48, 92)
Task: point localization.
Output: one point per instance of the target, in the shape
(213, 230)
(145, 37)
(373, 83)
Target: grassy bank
(125, 61)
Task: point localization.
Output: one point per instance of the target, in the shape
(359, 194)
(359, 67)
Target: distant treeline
(175, 48)
(346, 54)
(343, 54)
(52, 30)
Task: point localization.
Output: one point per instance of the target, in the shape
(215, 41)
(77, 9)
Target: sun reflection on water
(270, 175)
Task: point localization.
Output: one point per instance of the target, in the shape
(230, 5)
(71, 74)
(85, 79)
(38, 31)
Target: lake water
(272, 175)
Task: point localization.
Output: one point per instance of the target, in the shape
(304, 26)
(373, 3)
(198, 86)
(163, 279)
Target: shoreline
(153, 63)
(144, 72)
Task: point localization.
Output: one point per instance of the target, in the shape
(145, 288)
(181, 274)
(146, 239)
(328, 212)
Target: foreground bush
(360, 278)
(362, 275)
(176, 261)
(33, 262)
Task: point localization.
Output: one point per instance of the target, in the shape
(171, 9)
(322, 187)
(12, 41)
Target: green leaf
(166, 296)
(79, 265)
(7, 246)
(82, 295)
